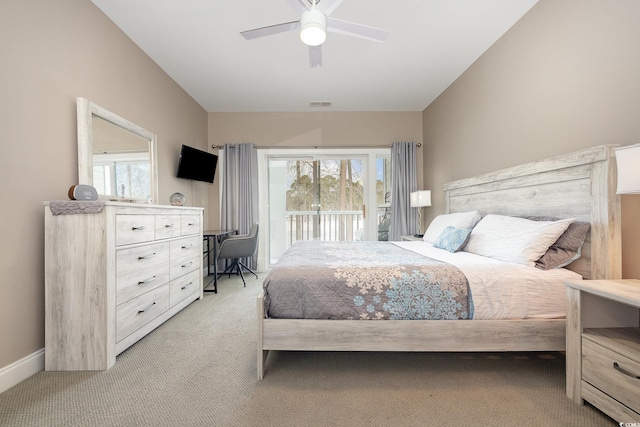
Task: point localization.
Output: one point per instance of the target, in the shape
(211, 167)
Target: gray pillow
(567, 248)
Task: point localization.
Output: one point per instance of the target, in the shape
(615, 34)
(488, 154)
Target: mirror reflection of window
(121, 166)
(124, 175)
(102, 179)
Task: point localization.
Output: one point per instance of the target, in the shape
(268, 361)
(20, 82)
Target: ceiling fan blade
(328, 6)
(315, 56)
(356, 30)
(270, 30)
(299, 5)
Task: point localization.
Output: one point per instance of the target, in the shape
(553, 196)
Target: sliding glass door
(324, 196)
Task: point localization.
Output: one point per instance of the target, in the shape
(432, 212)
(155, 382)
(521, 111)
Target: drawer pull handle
(147, 308)
(191, 224)
(150, 279)
(624, 371)
(168, 226)
(187, 264)
(146, 256)
(137, 228)
(187, 246)
(186, 286)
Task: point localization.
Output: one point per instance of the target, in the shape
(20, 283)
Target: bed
(578, 185)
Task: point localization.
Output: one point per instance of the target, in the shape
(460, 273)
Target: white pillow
(457, 220)
(514, 239)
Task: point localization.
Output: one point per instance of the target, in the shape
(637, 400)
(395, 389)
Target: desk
(212, 240)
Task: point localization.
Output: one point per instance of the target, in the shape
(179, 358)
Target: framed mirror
(115, 156)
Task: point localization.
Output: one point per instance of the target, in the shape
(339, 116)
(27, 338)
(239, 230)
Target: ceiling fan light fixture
(313, 27)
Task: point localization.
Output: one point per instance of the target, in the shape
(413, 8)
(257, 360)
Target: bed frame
(579, 184)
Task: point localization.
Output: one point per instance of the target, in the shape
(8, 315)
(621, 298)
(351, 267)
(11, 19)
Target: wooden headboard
(580, 184)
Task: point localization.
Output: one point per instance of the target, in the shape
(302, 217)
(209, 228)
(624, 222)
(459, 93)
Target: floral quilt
(364, 280)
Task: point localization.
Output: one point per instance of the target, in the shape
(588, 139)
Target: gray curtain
(403, 182)
(239, 204)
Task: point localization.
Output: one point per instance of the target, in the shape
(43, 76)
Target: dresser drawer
(140, 281)
(183, 287)
(167, 226)
(190, 224)
(142, 257)
(181, 266)
(187, 247)
(134, 229)
(598, 369)
(135, 313)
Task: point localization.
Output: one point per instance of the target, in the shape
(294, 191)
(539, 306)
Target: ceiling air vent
(320, 104)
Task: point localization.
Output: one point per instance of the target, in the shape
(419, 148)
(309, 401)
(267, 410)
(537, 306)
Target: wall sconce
(628, 162)
(420, 199)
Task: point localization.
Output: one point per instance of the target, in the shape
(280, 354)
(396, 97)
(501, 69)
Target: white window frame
(369, 156)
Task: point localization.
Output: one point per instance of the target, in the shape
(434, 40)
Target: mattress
(503, 290)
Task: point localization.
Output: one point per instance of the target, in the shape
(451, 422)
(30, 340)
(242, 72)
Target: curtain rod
(221, 147)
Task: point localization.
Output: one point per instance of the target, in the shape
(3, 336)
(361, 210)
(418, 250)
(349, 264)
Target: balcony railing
(336, 226)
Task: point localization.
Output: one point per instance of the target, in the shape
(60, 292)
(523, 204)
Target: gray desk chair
(236, 247)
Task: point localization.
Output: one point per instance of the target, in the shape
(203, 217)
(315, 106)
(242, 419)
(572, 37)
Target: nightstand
(410, 238)
(603, 346)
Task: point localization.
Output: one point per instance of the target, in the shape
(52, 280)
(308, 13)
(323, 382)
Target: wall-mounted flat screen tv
(197, 164)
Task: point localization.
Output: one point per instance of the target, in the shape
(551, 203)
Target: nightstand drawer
(411, 238)
(599, 369)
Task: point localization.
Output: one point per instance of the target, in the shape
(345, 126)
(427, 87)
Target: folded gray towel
(68, 207)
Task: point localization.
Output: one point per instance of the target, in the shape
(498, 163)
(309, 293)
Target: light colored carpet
(199, 369)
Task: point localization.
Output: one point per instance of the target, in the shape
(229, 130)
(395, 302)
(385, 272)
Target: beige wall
(312, 129)
(51, 53)
(565, 77)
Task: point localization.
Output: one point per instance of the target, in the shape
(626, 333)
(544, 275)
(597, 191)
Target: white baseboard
(21, 369)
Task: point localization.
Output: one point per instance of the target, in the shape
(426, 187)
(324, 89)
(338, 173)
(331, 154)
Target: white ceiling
(197, 43)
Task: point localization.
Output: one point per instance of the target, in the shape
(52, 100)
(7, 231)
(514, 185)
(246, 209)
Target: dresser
(603, 346)
(112, 277)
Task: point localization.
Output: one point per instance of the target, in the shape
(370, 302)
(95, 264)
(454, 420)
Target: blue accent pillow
(452, 239)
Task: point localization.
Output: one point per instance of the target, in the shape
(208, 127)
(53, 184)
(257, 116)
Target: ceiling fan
(314, 22)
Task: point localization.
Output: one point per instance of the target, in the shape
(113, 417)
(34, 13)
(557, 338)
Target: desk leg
(217, 239)
(215, 265)
(208, 255)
